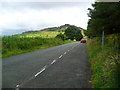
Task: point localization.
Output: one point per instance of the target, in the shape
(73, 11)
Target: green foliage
(14, 45)
(104, 16)
(73, 32)
(62, 36)
(105, 63)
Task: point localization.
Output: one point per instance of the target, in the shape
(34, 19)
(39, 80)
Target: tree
(104, 16)
(73, 32)
(62, 36)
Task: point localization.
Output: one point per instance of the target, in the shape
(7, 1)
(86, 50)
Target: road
(64, 66)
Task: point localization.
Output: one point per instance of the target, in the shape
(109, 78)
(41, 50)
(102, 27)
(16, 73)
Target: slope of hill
(61, 28)
(58, 29)
(47, 32)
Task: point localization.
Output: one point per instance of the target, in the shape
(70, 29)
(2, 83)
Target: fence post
(102, 39)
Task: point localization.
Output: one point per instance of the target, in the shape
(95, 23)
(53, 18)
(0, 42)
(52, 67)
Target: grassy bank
(14, 45)
(105, 63)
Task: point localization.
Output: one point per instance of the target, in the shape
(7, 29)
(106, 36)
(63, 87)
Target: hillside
(58, 29)
(61, 28)
(47, 32)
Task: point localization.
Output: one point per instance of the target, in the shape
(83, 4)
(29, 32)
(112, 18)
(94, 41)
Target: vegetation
(61, 28)
(42, 34)
(59, 32)
(34, 40)
(62, 36)
(47, 31)
(105, 63)
(104, 17)
(14, 45)
(73, 32)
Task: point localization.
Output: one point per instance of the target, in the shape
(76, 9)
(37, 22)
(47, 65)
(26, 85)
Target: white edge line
(53, 61)
(60, 56)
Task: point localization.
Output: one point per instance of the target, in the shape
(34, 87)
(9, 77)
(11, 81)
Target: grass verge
(14, 45)
(105, 63)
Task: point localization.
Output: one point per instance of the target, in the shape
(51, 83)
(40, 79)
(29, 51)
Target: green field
(17, 44)
(43, 34)
(32, 40)
(105, 63)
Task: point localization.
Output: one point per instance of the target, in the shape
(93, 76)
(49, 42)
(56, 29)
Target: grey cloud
(17, 10)
(40, 5)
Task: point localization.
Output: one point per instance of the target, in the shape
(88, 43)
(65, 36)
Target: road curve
(64, 66)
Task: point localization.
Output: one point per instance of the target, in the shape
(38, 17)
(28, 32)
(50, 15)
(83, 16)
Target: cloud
(35, 16)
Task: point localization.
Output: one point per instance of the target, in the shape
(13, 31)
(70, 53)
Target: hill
(58, 29)
(61, 28)
(47, 32)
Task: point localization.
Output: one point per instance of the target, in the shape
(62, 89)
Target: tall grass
(13, 45)
(105, 62)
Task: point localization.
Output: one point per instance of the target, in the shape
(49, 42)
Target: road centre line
(17, 85)
(64, 52)
(45, 67)
(40, 72)
(60, 56)
(53, 61)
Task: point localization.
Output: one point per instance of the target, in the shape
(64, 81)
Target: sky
(17, 17)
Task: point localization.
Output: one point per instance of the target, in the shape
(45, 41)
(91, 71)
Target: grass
(14, 45)
(105, 63)
(43, 34)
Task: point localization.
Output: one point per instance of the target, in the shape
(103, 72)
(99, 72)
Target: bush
(62, 36)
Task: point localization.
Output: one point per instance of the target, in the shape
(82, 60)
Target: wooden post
(102, 39)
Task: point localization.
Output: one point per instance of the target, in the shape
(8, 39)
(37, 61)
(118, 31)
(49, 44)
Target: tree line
(105, 16)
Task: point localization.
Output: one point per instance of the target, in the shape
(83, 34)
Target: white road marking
(17, 85)
(45, 67)
(17, 88)
(68, 50)
(64, 52)
(53, 61)
(40, 72)
(60, 56)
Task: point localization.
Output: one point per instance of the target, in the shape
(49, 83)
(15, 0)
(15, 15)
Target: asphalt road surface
(64, 66)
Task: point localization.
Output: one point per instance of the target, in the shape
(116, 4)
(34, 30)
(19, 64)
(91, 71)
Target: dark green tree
(104, 16)
(62, 36)
(73, 32)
